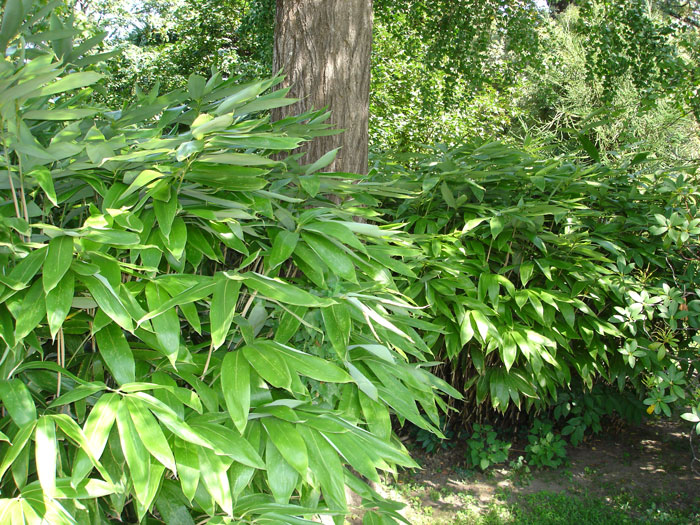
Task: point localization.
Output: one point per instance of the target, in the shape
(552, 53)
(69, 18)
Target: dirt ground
(651, 463)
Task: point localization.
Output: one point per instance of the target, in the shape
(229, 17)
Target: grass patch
(547, 508)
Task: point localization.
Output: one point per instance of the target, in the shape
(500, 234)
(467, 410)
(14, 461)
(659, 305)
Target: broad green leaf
(244, 93)
(377, 417)
(589, 147)
(311, 184)
(289, 443)
(187, 462)
(235, 384)
(336, 319)
(144, 178)
(363, 383)
(70, 82)
(155, 476)
(108, 300)
(78, 393)
(196, 85)
(29, 266)
(59, 301)
(165, 213)
(509, 351)
(213, 472)
(150, 433)
(111, 237)
(210, 126)
(13, 13)
(265, 358)
(282, 247)
(169, 418)
(43, 177)
(326, 466)
(280, 291)
(19, 440)
(172, 505)
(135, 453)
(223, 309)
(28, 309)
(281, 477)
(116, 353)
(61, 114)
(166, 325)
(312, 366)
(46, 452)
(338, 231)
(177, 239)
(17, 400)
(325, 160)
(497, 223)
(228, 177)
(190, 295)
(334, 257)
(361, 458)
(227, 443)
(238, 159)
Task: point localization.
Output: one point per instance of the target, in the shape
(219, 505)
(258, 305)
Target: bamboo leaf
(135, 453)
(265, 358)
(150, 433)
(59, 301)
(282, 247)
(235, 383)
(223, 309)
(116, 353)
(46, 452)
(17, 401)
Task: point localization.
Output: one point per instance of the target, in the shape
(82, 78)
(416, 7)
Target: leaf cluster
(191, 329)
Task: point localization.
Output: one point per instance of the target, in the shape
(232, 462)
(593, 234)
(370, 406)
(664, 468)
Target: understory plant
(545, 447)
(484, 449)
(191, 330)
(547, 275)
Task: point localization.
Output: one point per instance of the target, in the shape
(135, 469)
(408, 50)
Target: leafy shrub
(431, 442)
(545, 448)
(584, 411)
(484, 449)
(190, 329)
(543, 273)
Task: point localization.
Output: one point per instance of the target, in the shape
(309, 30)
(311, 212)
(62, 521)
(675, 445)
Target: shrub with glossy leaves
(545, 273)
(190, 330)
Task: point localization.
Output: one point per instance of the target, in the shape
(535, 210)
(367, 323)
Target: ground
(643, 474)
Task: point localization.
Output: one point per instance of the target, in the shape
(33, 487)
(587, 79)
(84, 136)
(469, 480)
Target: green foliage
(613, 86)
(543, 272)
(191, 329)
(484, 449)
(430, 442)
(545, 447)
(546, 508)
(164, 42)
(583, 412)
(693, 415)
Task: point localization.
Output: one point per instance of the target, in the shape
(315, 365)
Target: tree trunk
(323, 47)
(559, 6)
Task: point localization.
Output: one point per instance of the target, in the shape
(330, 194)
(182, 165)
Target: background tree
(323, 49)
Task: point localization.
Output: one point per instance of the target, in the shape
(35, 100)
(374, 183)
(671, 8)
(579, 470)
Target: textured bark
(323, 47)
(559, 6)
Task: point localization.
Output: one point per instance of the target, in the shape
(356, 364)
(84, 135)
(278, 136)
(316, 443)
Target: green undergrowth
(549, 508)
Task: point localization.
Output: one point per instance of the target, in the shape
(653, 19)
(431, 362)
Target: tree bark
(323, 47)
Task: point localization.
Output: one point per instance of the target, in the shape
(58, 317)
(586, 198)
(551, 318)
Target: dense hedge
(544, 273)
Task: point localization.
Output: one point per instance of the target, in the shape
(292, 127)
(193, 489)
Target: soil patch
(644, 469)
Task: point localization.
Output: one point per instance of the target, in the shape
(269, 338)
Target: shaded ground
(637, 475)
